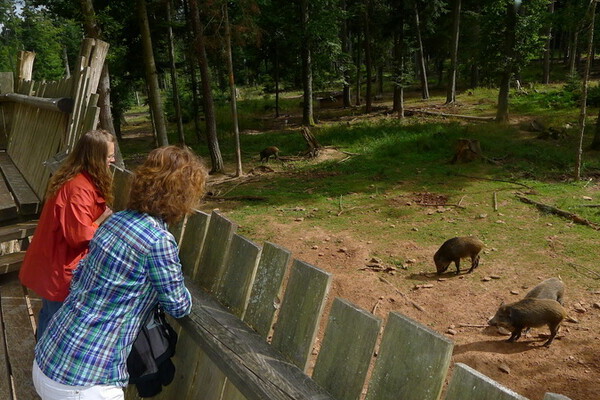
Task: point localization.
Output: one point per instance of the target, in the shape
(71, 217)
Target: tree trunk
(368, 60)
(154, 98)
(573, 51)
(399, 61)
(358, 72)
(192, 71)
(584, 89)
(347, 49)
(547, 47)
(232, 90)
(421, 59)
(509, 47)
(451, 93)
(276, 67)
(92, 30)
(209, 105)
(307, 107)
(174, 85)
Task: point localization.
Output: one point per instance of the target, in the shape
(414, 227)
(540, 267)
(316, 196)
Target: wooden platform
(17, 338)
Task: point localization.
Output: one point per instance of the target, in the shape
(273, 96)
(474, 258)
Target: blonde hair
(89, 155)
(168, 184)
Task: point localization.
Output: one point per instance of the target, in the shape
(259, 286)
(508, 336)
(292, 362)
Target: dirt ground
(570, 366)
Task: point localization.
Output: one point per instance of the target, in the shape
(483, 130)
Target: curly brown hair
(89, 155)
(169, 184)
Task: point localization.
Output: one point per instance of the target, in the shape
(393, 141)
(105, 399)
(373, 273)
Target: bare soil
(570, 366)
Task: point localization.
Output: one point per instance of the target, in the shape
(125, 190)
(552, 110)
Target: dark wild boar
(529, 313)
(456, 248)
(551, 288)
(268, 152)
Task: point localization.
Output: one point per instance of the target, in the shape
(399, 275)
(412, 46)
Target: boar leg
(457, 263)
(516, 334)
(474, 263)
(553, 332)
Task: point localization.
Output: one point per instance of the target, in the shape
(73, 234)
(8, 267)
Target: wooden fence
(256, 341)
(42, 119)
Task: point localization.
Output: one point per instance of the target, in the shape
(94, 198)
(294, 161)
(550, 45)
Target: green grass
(374, 193)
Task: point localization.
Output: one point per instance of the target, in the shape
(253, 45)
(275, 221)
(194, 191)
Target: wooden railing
(254, 321)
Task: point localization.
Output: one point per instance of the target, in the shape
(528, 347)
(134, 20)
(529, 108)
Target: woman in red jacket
(76, 204)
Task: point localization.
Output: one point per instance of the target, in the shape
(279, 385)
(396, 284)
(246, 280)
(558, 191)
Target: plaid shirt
(132, 265)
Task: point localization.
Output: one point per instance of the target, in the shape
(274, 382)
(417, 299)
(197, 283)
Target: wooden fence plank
(344, 358)
(25, 198)
(121, 185)
(176, 230)
(8, 208)
(240, 268)
(11, 262)
(19, 337)
(412, 362)
(300, 312)
(254, 366)
(266, 289)
(554, 396)
(469, 384)
(218, 238)
(192, 241)
(186, 367)
(5, 383)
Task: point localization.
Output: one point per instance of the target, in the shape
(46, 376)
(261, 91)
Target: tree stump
(467, 150)
(311, 141)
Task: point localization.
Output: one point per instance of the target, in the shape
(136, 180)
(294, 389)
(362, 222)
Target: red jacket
(61, 238)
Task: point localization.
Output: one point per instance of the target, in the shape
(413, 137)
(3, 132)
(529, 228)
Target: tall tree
(547, 48)
(368, 57)
(307, 73)
(155, 100)
(232, 91)
(585, 84)
(173, 69)
(209, 105)
(92, 29)
(509, 53)
(451, 93)
(421, 57)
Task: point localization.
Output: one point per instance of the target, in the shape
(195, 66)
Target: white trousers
(51, 390)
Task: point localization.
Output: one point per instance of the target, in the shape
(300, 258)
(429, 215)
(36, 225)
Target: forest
(398, 124)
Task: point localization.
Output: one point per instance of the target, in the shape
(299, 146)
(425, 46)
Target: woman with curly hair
(76, 204)
(132, 266)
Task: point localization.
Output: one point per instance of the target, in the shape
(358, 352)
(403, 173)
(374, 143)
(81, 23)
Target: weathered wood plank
(19, 336)
(343, 360)
(176, 230)
(121, 186)
(8, 207)
(218, 238)
(240, 268)
(17, 231)
(412, 362)
(253, 366)
(192, 241)
(266, 291)
(469, 384)
(26, 199)
(554, 396)
(11, 262)
(5, 385)
(301, 309)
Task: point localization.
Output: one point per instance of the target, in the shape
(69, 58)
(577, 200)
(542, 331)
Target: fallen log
(556, 211)
(439, 114)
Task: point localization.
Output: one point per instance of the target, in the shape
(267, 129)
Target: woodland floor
(570, 366)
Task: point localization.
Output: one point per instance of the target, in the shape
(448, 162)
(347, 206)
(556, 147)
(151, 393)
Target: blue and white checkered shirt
(133, 263)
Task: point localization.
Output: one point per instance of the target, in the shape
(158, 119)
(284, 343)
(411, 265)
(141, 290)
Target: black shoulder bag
(149, 363)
